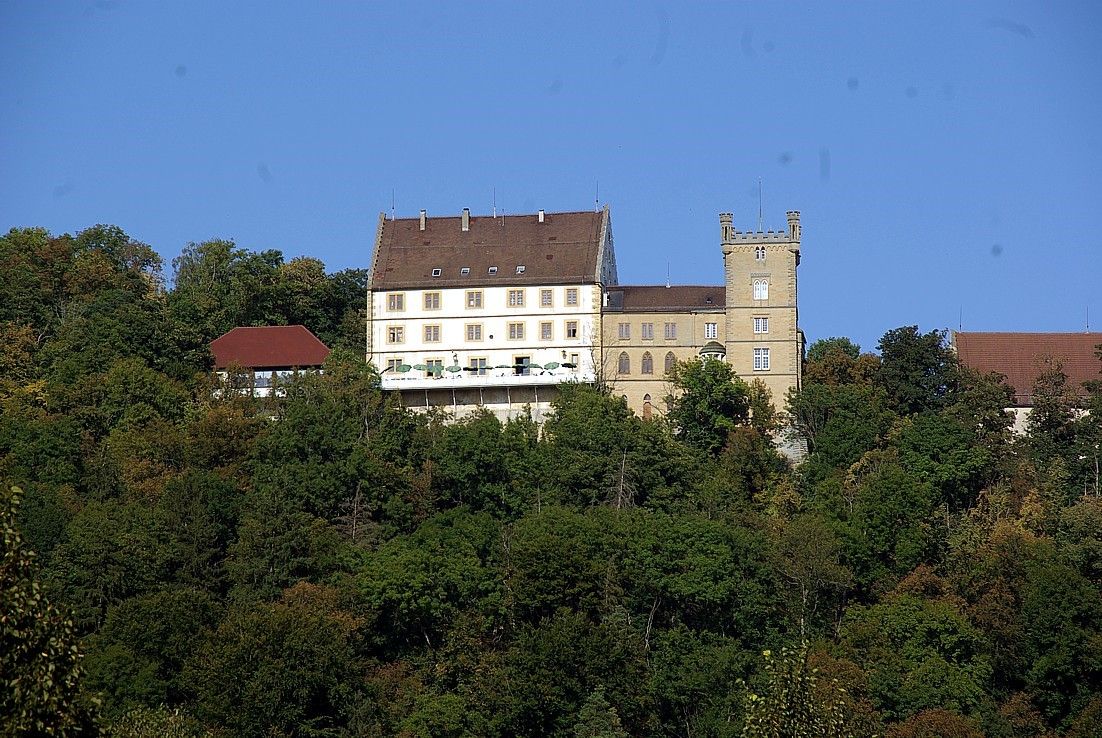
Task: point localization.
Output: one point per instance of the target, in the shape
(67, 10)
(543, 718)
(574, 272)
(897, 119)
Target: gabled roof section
(269, 347)
(557, 248)
(662, 299)
(1021, 357)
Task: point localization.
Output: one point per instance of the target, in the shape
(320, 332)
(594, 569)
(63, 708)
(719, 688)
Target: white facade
(488, 313)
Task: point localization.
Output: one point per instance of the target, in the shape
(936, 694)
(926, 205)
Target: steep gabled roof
(268, 347)
(659, 298)
(1021, 357)
(563, 249)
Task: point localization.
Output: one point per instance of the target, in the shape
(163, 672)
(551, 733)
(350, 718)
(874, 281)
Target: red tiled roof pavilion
(269, 347)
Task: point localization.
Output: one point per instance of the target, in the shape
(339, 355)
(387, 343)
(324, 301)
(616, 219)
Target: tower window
(761, 289)
(759, 253)
(761, 325)
(761, 359)
(624, 365)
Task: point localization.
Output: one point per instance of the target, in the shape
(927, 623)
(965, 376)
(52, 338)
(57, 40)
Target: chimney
(423, 214)
(466, 219)
(540, 216)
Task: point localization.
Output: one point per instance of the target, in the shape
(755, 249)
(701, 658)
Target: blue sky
(946, 156)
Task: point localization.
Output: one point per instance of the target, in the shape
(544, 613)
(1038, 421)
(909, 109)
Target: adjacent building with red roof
(1022, 357)
(268, 352)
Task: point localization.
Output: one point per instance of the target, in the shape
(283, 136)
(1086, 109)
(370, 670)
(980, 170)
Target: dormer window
(437, 272)
(520, 269)
(492, 270)
(464, 271)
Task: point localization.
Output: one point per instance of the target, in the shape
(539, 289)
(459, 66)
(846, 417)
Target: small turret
(793, 225)
(726, 231)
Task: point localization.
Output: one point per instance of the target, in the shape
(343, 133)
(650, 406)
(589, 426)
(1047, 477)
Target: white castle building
(497, 312)
(491, 312)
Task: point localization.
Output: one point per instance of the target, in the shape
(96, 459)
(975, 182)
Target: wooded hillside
(325, 563)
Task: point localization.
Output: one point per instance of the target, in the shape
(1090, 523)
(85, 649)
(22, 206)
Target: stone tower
(763, 337)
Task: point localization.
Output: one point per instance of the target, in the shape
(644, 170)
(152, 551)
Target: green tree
(281, 668)
(708, 402)
(136, 658)
(598, 719)
(918, 370)
(40, 656)
(790, 703)
(920, 654)
(1050, 427)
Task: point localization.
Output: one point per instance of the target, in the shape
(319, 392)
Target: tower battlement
(729, 235)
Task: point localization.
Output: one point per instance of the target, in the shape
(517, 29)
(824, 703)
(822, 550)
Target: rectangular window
(571, 329)
(574, 359)
(481, 366)
(435, 367)
(624, 331)
(516, 298)
(647, 331)
(547, 298)
(761, 359)
(571, 295)
(474, 331)
(432, 301)
(395, 334)
(396, 302)
(711, 330)
(761, 325)
(393, 364)
(545, 331)
(521, 364)
(474, 298)
(432, 334)
(516, 331)
(671, 331)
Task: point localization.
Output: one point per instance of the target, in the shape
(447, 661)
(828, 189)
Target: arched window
(670, 361)
(625, 364)
(648, 364)
(761, 289)
(647, 411)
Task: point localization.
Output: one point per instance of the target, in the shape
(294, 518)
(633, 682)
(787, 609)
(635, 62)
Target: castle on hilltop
(497, 311)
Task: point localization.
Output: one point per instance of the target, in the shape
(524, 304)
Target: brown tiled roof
(561, 250)
(269, 347)
(659, 298)
(1021, 357)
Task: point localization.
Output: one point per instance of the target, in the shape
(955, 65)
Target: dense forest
(185, 562)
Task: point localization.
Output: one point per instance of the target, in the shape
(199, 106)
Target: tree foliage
(324, 562)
